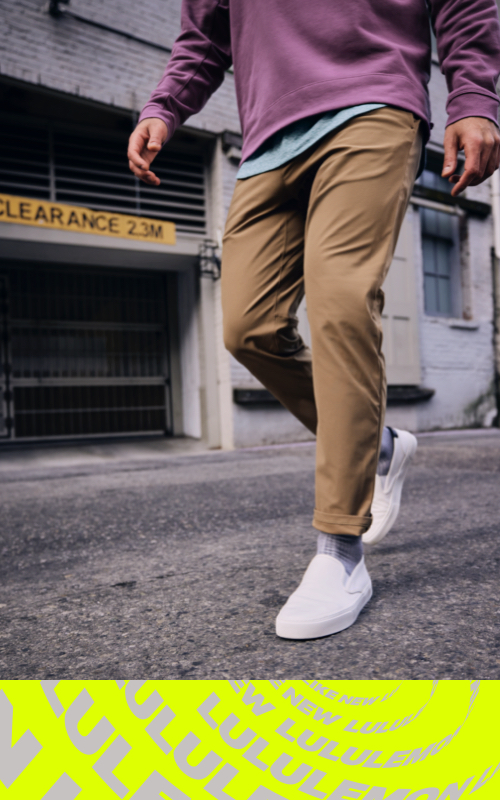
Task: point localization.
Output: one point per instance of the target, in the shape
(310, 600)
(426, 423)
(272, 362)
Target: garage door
(86, 353)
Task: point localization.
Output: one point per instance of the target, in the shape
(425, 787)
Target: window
(440, 246)
(439, 243)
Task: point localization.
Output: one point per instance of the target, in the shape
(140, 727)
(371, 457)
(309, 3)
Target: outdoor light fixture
(208, 259)
(54, 7)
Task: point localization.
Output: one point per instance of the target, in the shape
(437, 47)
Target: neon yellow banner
(61, 217)
(242, 740)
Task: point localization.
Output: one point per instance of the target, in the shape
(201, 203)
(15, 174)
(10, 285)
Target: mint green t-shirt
(289, 142)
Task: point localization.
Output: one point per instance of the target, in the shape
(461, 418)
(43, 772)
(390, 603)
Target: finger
(145, 176)
(450, 153)
(472, 170)
(492, 164)
(482, 153)
(150, 178)
(141, 160)
(144, 144)
(141, 156)
(464, 180)
(495, 156)
(155, 143)
(136, 153)
(487, 152)
(157, 135)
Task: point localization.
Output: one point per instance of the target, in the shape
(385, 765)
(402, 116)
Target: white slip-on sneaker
(387, 496)
(326, 601)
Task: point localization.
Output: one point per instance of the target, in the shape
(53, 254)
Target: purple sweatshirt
(294, 58)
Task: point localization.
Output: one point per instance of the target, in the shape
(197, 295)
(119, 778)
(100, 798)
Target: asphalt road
(174, 566)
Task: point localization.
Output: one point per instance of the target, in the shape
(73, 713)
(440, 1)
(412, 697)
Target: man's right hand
(144, 143)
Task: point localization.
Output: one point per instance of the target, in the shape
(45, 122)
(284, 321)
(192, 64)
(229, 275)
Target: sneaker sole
(395, 504)
(324, 627)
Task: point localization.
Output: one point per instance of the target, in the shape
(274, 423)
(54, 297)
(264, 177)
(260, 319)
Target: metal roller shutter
(87, 353)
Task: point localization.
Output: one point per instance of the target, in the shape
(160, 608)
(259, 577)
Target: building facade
(110, 313)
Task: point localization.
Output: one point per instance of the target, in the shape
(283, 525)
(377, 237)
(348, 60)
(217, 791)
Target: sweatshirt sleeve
(468, 42)
(200, 57)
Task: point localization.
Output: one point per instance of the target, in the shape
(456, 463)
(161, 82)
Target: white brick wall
(457, 362)
(69, 56)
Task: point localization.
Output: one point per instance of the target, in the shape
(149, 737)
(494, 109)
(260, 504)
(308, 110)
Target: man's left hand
(479, 138)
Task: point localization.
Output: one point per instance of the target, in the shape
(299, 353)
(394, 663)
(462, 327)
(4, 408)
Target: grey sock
(348, 549)
(386, 451)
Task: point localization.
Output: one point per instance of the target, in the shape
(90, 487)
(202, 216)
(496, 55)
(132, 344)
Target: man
(335, 113)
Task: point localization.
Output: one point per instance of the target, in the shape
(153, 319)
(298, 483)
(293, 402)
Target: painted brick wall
(458, 362)
(69, 56)
(457, 355)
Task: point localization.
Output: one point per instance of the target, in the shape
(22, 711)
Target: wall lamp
(208, 260)
(55, 9)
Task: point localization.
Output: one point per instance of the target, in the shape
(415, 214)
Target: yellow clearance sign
(61, 217)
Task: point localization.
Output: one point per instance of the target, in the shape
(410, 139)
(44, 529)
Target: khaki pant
(325, 223)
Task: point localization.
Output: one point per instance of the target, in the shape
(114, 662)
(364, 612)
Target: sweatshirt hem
(318, 98)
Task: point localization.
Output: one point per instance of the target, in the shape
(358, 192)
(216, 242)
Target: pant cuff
(338, 523)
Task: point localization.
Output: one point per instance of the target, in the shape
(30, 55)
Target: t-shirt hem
(300, 143)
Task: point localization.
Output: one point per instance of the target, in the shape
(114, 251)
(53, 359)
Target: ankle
(344, 547)
(386, 451)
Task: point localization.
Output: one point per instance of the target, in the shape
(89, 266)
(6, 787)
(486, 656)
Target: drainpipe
(495, 265)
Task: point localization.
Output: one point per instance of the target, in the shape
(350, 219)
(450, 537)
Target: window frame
(434, 204)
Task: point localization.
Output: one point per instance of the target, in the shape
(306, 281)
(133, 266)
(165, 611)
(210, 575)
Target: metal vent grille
(24, 161)
(52, 411)
(92, 171)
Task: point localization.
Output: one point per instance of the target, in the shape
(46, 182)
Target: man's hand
(479, 138)
(144, 143)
